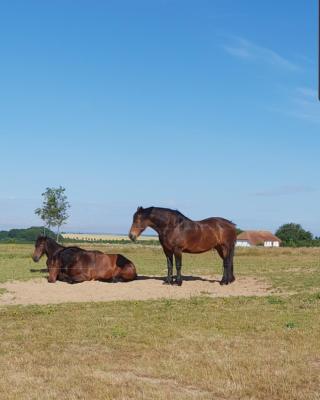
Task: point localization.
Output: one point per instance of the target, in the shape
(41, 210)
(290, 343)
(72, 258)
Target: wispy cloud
(285, 190)
(307, 92)
(305, 105)
(242, 48)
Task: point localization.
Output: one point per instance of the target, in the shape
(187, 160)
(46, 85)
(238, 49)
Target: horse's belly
(197, 250)
(105, 273)
(195, 245)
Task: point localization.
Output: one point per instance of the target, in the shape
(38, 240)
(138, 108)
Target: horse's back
(224, 229)
(218, 221)
(213, 231)
(115, 266)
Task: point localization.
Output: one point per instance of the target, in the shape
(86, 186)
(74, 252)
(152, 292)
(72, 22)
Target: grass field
(197, 348)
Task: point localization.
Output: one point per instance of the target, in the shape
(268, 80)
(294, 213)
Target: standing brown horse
(179, 234)
(73, 264)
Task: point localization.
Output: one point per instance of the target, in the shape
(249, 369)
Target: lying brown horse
(179, 234)
(73, 264)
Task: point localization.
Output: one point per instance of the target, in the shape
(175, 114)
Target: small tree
(54, 208)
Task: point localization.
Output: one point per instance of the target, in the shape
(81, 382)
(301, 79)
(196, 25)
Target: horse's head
(39, 248)
(140, 223)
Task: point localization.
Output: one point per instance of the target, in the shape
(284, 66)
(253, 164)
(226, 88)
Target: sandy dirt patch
(39, 291)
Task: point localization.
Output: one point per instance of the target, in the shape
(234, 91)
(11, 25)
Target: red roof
(258, 237)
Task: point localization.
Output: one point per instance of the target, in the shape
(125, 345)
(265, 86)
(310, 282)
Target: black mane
(49, 240)
(153, 210)
(146, 212)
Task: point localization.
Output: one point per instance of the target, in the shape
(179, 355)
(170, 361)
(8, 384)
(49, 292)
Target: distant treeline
(301, 243)
(293, 235)
(28, 235)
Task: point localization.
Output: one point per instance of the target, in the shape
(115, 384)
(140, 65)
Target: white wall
(267, 243)
(271, 244)
(242, 243)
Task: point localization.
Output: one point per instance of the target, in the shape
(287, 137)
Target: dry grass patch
(39, 291)
(198, 348)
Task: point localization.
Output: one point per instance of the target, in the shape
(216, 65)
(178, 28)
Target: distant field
(91, 237)
(196, 348)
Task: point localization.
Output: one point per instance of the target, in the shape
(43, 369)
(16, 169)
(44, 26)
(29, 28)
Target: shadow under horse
(179, 234)
(73, 264)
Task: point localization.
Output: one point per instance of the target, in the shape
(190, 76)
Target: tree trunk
(58, 233)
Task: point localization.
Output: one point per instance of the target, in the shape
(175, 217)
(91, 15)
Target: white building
(257, 238)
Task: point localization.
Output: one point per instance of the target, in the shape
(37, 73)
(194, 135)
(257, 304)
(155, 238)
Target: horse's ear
(39, 238)
(140, 208)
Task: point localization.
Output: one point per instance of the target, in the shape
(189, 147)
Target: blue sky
(205, 106)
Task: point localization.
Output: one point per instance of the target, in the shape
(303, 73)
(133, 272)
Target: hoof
(226, 282)
(178, 282)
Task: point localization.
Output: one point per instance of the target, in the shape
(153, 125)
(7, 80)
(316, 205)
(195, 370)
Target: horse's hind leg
(126, 274)
(178, 258)
(231, 255)
(227, 257)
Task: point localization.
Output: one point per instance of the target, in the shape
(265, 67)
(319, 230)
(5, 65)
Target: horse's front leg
(169, 278)
(54, 269)
(48, 262)
(178, 259)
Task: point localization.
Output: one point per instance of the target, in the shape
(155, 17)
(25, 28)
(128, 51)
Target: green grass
(198, 348)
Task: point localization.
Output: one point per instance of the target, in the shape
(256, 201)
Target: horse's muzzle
(35, 258)
(132, 237)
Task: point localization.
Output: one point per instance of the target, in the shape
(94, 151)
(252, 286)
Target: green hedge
(28, 235)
